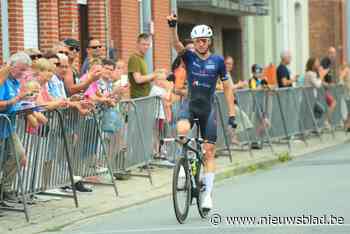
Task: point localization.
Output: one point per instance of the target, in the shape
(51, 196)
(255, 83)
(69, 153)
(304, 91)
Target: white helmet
(201, 31)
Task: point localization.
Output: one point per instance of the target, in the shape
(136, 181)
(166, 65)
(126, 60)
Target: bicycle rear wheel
(200, 189)
(181, 190)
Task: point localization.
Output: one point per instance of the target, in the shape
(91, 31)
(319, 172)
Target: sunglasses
(95, 47)
(36, 56)
(203, 40)
(57, 64)
(64, 52)
(77, 49)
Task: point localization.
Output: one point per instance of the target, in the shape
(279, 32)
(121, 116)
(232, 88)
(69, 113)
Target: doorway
(84, 30)
(232, 46)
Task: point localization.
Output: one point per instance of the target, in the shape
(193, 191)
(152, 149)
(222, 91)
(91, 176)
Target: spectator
(120, 80)
(94, 50)
(160, 88)
(258, 80)
(314, 75)
(33, 53)
(4, 72)
(140, 82)
(328, 67)
(101, 90)
(10, 96)
(72, 81)
(329, 63)
(229, 64)
(345, 80)
(188, 43)
(284, 78)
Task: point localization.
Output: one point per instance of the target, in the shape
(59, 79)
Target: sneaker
(79, 186)
(207, 203)
(181, 179)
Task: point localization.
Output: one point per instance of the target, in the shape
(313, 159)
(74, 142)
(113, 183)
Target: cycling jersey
(202, 76)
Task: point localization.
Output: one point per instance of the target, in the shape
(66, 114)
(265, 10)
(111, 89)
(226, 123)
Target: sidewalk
(56, 214)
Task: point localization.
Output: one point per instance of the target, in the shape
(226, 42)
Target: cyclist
(203, 70)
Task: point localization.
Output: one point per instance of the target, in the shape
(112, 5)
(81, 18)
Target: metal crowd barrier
(48, 162)
(89, 157)
(267, 116)
(71, 145)
(131, 145)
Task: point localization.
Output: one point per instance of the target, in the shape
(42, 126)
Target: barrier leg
(138, 123)
(260, 116)
(104, 149)
(314, 121)
(70, 169)
(224, 131)
(284, 122)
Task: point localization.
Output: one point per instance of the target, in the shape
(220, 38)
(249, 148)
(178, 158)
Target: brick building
(116, 23)
(327, 23)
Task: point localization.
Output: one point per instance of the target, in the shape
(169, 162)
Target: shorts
(207, 122)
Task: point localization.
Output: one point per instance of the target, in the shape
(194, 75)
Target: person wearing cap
(72, 81)
(33, 53)
(257, 81)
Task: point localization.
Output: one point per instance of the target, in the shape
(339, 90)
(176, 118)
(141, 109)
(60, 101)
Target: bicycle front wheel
(200, 189)
(181, 190)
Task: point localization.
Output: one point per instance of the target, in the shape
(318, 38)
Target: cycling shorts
(207, 121)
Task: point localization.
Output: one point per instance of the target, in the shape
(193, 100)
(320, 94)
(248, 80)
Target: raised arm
(176, 43)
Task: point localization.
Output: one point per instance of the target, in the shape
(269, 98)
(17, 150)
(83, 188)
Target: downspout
(5, 30)
(173, 9)
(147, 23)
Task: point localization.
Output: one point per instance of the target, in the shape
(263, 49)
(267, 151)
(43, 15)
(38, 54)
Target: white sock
(209, 181)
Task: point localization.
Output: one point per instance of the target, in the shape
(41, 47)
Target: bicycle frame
(198, 152)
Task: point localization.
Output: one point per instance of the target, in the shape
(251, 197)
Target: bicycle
(191, 163)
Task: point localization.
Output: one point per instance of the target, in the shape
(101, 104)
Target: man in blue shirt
(10, 96)
(203, 71)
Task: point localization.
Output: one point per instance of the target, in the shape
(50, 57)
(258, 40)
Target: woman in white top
(314, 77)
(314, 74)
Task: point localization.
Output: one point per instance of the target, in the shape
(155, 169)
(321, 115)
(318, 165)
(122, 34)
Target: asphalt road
(317, 185)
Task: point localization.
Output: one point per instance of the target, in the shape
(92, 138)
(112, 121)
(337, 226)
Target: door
(232, 46)
(84, 30)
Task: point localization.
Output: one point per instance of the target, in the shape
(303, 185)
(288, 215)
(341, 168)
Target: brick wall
(48, 21)
(97, 22)
(115, 19)
(68, 19)
(326, 19)
(161, 45)
(125, 26)
(16, 34)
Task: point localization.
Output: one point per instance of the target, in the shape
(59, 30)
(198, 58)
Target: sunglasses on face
(64, 52)
(95, 47)
(36, 56)
(57, 64)
(76, 49)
